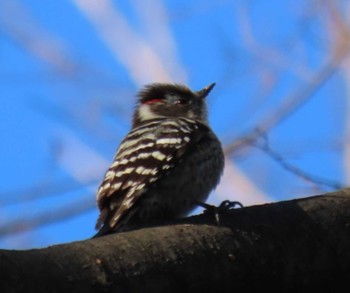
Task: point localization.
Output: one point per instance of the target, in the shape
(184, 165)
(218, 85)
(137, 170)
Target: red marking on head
(154, 101)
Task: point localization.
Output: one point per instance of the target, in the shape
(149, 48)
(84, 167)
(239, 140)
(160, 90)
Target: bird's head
(160, 100)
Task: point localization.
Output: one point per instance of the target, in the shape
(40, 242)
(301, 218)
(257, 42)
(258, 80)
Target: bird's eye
(182, 101)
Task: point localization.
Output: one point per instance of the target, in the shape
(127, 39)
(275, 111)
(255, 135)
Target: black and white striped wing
(144, 156)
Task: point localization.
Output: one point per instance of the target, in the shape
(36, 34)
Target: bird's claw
(226, 205)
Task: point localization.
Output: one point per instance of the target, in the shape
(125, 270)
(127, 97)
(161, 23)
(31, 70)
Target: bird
(168, 163)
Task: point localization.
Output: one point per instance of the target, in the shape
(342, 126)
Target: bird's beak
(204, 92)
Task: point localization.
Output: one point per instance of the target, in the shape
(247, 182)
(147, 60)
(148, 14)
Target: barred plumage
(168, 161)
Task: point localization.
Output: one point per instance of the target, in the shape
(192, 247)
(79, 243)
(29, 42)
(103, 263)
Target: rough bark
(292, 246)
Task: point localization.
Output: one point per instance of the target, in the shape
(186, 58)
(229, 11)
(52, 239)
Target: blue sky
(70, 71)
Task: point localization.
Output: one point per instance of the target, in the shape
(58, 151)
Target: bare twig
(265, 147)
(48, 217)
(41, 190)
(291, 104)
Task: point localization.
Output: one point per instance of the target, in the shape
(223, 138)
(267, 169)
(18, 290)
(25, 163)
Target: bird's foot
(225, 206)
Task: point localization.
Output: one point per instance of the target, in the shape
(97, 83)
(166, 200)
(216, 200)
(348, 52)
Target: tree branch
(293, 246)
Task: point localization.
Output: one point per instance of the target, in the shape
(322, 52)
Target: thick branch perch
(293, 246)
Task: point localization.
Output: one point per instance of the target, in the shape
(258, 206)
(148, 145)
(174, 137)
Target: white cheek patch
(145, 113)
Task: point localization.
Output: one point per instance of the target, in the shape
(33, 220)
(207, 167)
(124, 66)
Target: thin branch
(265, 147)
(49, 216)
(290, 104)
(44, 189)
(138, 57)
